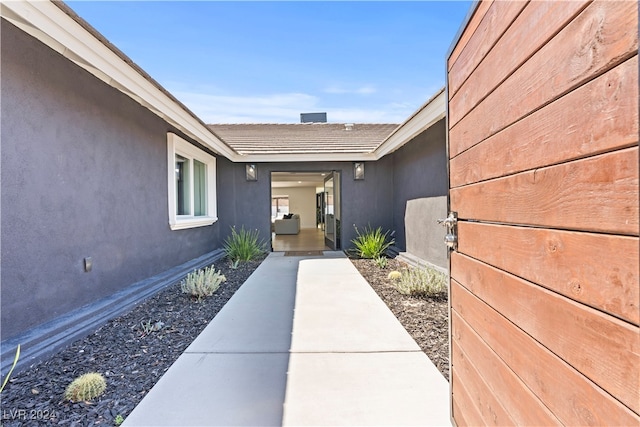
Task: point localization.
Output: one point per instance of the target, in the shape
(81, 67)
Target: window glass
(199, 188)
(279, 207)
(183, 190)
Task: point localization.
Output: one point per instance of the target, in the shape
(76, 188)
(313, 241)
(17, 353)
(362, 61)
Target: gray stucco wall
(249, 203)
(420, 187)
(83, 174)
(403, 192)
(424, 236)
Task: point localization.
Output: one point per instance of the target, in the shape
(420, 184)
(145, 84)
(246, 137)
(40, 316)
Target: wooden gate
(543, 152)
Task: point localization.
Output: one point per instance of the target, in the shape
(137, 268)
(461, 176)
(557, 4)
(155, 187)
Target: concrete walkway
(305, 341)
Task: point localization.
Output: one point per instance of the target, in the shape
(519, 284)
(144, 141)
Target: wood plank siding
(543, 168)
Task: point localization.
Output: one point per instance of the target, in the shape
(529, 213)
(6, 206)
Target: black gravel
(130, 359)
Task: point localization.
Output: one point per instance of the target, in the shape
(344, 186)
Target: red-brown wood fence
(543, 164)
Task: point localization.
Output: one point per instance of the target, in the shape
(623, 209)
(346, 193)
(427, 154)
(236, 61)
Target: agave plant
(244, 245)
(371, 243)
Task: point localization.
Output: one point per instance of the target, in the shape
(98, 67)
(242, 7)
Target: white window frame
(177, 145)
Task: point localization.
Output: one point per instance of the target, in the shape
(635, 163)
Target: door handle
(448, 221)
(451, 240)
(451, 224)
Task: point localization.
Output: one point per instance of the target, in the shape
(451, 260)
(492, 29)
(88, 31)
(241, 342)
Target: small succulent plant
(381, 261)
(394, 275)
(423, 281)
(202, 283)
(86, 387)
(149, 326)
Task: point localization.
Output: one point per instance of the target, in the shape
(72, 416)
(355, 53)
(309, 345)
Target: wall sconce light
(358, 171)
(252, 172)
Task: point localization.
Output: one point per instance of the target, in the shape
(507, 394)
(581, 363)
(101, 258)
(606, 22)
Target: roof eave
(49, 23)
(308, 157)
(426, 116)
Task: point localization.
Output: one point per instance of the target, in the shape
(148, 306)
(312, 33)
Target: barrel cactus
(86, 387)
(395, 275)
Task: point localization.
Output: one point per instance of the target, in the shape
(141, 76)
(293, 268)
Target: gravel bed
(425, 318)
(132, 360)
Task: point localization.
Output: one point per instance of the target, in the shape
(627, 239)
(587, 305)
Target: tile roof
(303, 138)
(293, 142)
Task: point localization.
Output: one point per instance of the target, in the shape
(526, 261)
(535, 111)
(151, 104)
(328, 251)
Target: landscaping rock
(130, 359)
(425, 318)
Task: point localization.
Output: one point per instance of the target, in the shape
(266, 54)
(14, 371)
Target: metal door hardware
(451, 223)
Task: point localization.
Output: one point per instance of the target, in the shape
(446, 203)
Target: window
(192, 185)
(279, 207)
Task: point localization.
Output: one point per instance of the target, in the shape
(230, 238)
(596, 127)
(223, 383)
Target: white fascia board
(316, 157)
(420, 121)
(49, 24)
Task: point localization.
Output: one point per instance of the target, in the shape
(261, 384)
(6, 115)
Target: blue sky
(267, 62)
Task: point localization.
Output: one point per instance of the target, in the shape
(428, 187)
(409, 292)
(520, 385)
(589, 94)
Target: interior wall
(302, 201)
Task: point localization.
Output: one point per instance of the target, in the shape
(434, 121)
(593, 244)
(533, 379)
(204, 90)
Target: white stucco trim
(177, 145)
(52, 26)
(183, 224)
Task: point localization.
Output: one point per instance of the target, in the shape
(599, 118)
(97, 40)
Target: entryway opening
(305, 211)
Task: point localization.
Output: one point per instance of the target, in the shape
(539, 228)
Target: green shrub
(244, 245)
(421, 282)
(381, 261)
(118, 420)
(202, 283)
(86, 387)
(371, 243)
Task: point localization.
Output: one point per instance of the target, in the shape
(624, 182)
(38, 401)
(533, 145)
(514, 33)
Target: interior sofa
(287, 225)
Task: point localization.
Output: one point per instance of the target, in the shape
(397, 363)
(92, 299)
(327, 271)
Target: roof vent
(348, 126)
(313, 117)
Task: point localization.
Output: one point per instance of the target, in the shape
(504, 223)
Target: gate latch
(451, 223)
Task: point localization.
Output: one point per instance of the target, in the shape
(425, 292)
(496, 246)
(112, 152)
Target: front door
(332, 211)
